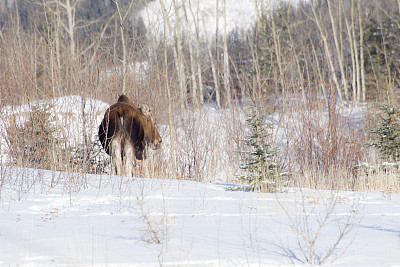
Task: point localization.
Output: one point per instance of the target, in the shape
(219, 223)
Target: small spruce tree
(259, 169)
(387, 139)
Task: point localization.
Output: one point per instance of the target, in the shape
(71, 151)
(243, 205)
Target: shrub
(324, 141)
(32, 143)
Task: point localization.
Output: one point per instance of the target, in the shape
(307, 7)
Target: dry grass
(387, 182)
(319, 145)
(206, 146)
(382, 180)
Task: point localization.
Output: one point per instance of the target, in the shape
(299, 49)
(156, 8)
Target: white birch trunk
(226, 63)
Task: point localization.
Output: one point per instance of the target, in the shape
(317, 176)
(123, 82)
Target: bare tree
(70, 10)
(317, 18)
(353, 57)
(122, 17)
(192, 58)
(213, 69)
(196, 21)
(338, 42)
(362, 63)
(226, 63)
(277, 51)
(171, 127)
(179, 56)
(65, 10)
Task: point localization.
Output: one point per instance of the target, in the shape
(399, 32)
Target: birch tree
(338, 43)
(324, 36)
(360, 22)
(353, 58)
(196, 20)
(63, 12)
(178, 55)
(192, 57)
(226, 63)
(122, 17)
(168, 89)
(278, 54)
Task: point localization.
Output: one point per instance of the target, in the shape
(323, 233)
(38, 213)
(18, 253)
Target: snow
(105, 222)
(188, 15)
(66, 113)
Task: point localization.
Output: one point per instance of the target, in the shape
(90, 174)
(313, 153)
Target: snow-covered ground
(147, 222)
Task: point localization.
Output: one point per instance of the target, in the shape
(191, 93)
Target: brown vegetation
(306, 64)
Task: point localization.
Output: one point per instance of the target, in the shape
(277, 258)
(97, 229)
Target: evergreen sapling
(259, 168)
(388, 135)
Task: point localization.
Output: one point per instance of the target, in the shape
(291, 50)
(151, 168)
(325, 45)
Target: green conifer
(259, 168)
(387, 139)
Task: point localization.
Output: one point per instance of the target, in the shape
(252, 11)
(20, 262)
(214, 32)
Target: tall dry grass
(320, 143)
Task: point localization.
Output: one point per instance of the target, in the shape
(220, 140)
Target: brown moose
(125, 132)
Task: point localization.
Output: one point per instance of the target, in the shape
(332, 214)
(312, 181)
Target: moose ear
(145, 109)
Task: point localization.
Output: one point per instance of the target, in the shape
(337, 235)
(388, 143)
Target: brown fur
(125, 132)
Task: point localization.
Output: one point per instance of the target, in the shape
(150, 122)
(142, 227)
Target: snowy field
(148, 222)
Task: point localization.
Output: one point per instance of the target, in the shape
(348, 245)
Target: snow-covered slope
(207, 16)
(69, 115)
(147, 222)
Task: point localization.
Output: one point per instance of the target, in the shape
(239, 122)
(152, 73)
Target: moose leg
(116, 156)
(128, 159)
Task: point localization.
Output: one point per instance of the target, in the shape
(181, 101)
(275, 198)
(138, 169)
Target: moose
(125, 132)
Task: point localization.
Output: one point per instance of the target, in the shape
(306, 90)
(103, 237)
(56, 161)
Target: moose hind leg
(129, 157)
(116, 156)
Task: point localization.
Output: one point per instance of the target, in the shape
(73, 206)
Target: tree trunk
(363, 87)
(338, 46)
(356, 52)
(324, 37)
(178, 55)
(171, 128)
(226, 63)
(192, 59)
(214, 70)
(277, 48)
(353, 60)
(70, 27)
(198, 63)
